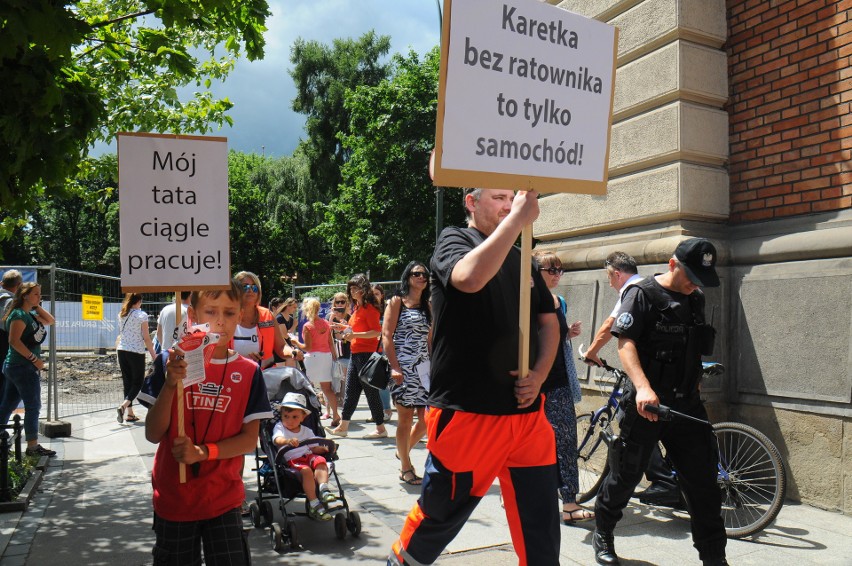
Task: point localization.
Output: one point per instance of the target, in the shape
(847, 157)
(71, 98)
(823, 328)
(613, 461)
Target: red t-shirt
(319, 332)
(365, 318)
(208, 418)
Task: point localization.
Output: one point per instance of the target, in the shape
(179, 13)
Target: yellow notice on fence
(93, 307)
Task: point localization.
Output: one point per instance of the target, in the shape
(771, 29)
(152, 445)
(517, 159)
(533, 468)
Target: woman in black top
(559, 398)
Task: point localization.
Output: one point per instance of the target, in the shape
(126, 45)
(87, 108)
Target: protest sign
(525, 97)
(173, 215)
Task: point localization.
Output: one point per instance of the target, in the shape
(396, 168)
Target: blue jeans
(23, 382)
(384, 395)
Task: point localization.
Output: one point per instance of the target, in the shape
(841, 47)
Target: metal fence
(302, 291)
(83, 374)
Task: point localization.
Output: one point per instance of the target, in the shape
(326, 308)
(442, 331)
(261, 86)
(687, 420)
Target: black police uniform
(670, 335)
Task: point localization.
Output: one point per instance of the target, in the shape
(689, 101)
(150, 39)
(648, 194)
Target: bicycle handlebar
(582, 357)
(669, 414)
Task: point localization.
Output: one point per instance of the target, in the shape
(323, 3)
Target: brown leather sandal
(409, 477)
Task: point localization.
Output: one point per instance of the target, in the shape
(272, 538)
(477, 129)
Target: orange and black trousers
(467, 451)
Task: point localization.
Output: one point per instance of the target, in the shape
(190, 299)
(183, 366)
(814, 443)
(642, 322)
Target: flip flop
(413, 479)
(120, 417)
(132, 419)
(585, 515)
(376, 434)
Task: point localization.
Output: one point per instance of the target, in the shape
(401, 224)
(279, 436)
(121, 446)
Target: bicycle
(751, 472)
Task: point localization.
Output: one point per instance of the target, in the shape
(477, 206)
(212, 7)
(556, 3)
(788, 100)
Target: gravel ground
(86, 373)
(86, 382)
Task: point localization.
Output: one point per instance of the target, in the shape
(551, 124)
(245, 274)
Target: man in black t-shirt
(661, 337)
(484, 421)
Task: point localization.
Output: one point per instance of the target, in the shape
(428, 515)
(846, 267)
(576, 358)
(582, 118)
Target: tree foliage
(271, 205)
(292, 202)
(384, 216)
(79, 231)
(76, 72)
(323, 74)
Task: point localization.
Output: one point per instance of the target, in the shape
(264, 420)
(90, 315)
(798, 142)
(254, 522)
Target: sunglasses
(343, 302)
(421, 274)
(252, 288)
(553, 270)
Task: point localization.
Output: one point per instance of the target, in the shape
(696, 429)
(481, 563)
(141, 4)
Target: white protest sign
(525, 97)
(173, 199)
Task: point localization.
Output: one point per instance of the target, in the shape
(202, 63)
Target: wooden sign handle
(180, 417)
(524, 311)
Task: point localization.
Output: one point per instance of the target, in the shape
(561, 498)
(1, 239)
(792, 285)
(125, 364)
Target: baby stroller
(276, 480)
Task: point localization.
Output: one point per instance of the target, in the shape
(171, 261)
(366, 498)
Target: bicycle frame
(610, 409)
(750, 470)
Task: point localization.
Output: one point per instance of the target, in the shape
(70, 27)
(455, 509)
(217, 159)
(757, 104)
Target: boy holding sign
(223, 409)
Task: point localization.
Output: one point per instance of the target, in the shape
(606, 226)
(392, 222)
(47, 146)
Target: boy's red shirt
(233, 393)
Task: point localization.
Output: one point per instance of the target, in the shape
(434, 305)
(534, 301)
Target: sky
(262, 91)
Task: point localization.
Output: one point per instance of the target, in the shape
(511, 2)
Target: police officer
(661, 337)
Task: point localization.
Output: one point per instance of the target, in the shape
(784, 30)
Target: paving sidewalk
(94, 508)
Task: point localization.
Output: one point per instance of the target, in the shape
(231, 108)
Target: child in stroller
(275, 479)
(293, 440)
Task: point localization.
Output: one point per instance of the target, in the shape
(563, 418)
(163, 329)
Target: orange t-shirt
(365, 318)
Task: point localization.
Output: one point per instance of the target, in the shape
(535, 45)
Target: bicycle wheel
(751, 476)
(591, 456)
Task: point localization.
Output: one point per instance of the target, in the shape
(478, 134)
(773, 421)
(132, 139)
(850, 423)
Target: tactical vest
(670, 354)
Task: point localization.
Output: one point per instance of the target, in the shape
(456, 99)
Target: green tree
(384, 216)
(294, 202)
(323, 75)
(76, 72)
(257, 243)
(79, 231)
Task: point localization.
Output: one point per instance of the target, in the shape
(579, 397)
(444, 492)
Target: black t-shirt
(475, 335)
(558, 376)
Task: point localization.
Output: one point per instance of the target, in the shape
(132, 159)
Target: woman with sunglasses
(258, 336)
(338, 317)
(407, 340)
(363, 334)
(561, 390)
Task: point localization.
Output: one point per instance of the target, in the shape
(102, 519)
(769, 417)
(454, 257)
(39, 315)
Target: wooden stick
(180, 417)
(524, 310)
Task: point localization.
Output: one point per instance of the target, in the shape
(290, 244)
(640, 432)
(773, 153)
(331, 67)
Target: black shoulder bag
(376, 372)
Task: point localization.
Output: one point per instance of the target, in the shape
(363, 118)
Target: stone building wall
(683, 164)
